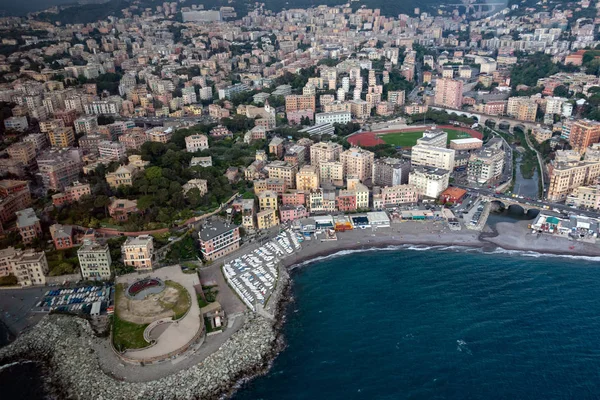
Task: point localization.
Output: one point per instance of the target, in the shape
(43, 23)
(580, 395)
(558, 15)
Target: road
(530, 203)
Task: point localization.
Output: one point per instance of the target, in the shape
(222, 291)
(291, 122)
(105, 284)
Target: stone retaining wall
(65, 343)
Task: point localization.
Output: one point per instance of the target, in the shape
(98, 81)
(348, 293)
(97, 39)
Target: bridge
(509, 202)
(484, 119)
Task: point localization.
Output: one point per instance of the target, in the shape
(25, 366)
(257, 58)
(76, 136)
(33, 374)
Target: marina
(254, 275)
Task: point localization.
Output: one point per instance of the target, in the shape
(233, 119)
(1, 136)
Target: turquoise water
(439, 324)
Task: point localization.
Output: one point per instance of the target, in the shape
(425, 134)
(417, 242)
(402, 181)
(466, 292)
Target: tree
(102, 201)
(561, 91)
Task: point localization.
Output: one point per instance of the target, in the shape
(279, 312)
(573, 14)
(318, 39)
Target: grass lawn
(409, 139)
(183, 303)
(127, 335)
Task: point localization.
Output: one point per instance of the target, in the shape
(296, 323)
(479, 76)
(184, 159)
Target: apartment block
(583, 134)
(393, 196)
(448, 93)
(138, 252)
(283, 170)
(217, 239)
(71, 194)
(430, 182)
(111, 151)
(30, 267)
(566, 176)
(431, 156)
(325, 151)
(14, 196)
(358, 163)
(299, 102)
(485, 166)
(307, 178)
(267, 219)
(390, 172)
(86, 125)
(23, 152)
(59, 168)
(94, 260)
(28, 225)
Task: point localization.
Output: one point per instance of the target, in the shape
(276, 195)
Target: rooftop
(214, 229)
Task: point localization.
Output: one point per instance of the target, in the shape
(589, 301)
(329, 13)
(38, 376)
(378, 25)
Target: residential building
(267, 219)
(283, 170)
(94, 260)
(195, 143)
(331, 172)
(485, 166)
(325, 151)
(522, 108)
(62, 236)
(121, 209)
(292, 212)
(71, 194)
(434, 137)
(362, 193)
(59, 168)
(345, 200)
(217, 239)
(276, 146)
(430, 182)
(19, 124)
(390, 172)
(296, 155)
(583, 134)
(159, 134)
(30, 267)
(200, 184)
(23, 152)
(111, 151)
(299, 102)
(133, 140)
(307, 178)
(14, 196)
(566, 176)
(6, 255)
(122, 176)
(230, 91)
(28, 225)
(393, 196)
(138, 252)
(430, 156)
(86, 125)
(267, 200)
(448, 93)
(358, 163)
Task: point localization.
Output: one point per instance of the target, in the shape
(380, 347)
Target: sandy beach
(509, 236)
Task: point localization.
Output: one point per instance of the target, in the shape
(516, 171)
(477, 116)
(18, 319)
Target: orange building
(584, 133)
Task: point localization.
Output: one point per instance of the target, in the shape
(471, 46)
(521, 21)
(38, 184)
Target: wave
(6, 366)
(454, 248)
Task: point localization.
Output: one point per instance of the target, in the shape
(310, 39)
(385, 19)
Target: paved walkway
(177, 334)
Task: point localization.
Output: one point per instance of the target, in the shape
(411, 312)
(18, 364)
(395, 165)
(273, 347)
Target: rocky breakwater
(64, 345)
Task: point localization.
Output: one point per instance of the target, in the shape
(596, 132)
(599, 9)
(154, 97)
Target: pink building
(345, 201)
(295, 117)
(293, 198)
(292, 213)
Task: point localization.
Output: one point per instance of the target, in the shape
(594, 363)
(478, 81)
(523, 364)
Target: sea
(436, 322)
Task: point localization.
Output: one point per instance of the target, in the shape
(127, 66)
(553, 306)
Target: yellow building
(138, 252)
(62, 137)
(267, 219)
(566, 176)
(307, 178)
(267, 200)
(122, 176)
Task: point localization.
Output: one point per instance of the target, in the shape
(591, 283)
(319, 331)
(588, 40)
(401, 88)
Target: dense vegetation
(534, 67)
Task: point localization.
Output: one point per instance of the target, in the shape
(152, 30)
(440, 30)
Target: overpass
(483, 119)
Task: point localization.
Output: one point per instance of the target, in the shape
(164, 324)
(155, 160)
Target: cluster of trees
(534, 67)
(441, 118)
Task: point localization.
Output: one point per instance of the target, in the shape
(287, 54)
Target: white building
(94, 260)
(340, 117)
(430, 182)
(196, 142)
(430, 156)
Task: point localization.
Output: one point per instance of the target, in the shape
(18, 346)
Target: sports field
(409, 139)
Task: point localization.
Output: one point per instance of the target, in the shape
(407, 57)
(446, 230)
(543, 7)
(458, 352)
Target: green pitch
(409, 139)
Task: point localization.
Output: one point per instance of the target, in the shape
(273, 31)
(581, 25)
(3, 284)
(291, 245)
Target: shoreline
(59, 341)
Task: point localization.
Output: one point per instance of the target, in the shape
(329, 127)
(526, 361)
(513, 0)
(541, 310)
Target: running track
(369, 139)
